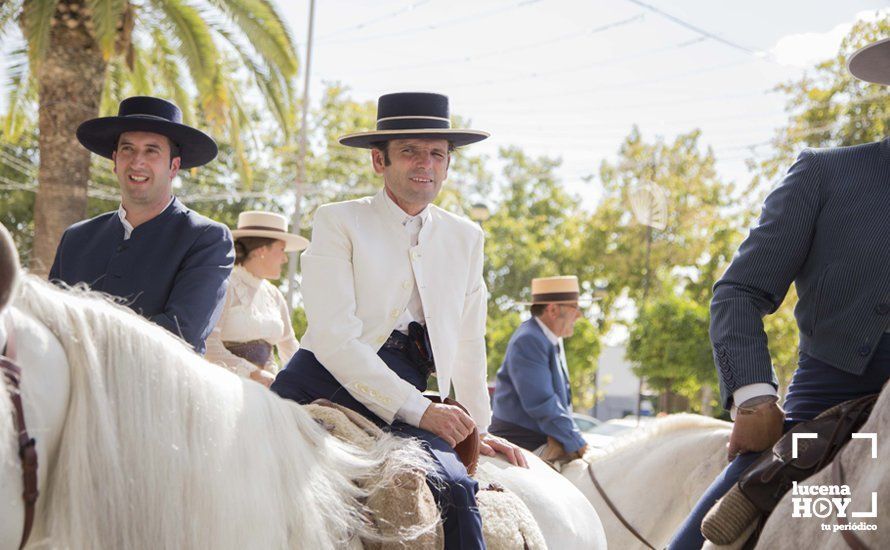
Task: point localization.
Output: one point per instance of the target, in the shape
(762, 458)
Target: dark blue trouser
(815, 387)
(305, 379)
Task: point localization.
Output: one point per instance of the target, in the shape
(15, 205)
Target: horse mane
(659, 427)
(163, 449)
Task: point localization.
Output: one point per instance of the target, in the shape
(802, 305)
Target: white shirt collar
(402, 217)
(554, 339)
(241, 274)
(128, 227)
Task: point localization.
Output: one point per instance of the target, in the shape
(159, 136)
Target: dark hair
(174, 147)
(538, 309)
(383, 147)
(245, 245)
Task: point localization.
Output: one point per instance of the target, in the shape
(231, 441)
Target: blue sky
(569, 78)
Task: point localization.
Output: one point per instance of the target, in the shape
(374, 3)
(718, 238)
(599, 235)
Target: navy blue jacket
(173, 269)
(826, 228)
(532, 390)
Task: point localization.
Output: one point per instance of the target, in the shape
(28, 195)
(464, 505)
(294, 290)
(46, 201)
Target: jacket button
(864, 350)
(882, 309)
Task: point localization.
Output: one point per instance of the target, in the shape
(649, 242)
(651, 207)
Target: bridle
(12, 373)
(614, 508)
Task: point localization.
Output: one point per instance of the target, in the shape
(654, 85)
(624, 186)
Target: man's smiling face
(144, 168)
(416, 169)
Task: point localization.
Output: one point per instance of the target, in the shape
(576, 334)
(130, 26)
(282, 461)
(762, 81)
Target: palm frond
(236, 116)
(165, 60)
(278, 90)
(22, 91)
(265, 29)
(113, 90)
(106, 15)
(38, 15)
(190, 36)
(139, 79)
(8, 12)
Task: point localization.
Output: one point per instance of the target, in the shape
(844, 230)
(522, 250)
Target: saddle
(404, 502)
(765, 482)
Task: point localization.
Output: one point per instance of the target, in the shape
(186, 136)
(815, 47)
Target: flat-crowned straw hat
(148, 114)
(872, 63)
(407, 115)
(255, 223)
(555, 290)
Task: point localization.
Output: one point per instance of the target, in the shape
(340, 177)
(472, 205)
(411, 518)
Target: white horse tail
(161, 449)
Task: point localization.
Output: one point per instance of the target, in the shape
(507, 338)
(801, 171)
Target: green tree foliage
(829, 107)
(669, 344)
(536, 230)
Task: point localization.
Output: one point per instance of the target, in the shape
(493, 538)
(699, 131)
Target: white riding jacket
(358, 275)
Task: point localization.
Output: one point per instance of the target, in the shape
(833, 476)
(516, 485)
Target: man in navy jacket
(532, 395)
(166, 262)
(824, 228)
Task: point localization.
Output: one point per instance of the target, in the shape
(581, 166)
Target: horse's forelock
(9, 267)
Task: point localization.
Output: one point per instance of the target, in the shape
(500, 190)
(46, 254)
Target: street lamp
(479, 212)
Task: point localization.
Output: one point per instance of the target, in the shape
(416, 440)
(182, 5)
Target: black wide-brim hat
(872, 63)
(148, 114)
(407, 115)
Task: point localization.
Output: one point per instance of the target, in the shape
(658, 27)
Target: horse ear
(9, 267)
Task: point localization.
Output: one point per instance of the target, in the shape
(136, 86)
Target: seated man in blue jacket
(532, 395)
(168, 263)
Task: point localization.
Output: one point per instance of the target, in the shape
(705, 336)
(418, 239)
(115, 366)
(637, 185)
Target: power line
(573, 69)
(694, 28)
(437, 26)
(637, 83)
(383, 17)
(437, 63)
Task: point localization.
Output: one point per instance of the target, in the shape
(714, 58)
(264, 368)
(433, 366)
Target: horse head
(9, 267)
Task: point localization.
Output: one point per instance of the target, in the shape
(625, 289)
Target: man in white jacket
(394, 292)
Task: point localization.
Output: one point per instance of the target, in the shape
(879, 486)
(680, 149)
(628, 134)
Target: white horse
(653, 476)
(143, 444)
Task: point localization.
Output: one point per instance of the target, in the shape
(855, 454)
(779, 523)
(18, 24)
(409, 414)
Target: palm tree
(81, 55)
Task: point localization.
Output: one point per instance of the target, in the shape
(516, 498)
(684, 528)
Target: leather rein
(27, 449)
(614, 509)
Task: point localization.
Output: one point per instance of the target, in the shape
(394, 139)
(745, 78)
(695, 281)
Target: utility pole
(301, 161)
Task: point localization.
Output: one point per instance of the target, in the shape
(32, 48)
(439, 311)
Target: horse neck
(665, 462)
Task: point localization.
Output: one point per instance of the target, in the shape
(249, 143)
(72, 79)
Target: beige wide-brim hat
(872, 63)
(255, 223)
(556, 290)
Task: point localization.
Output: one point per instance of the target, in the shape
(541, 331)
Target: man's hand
(489, 445)
(448, 422)
(757, 427)
(264, 377)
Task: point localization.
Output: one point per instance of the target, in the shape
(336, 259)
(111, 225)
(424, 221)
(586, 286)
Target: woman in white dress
(256, 317)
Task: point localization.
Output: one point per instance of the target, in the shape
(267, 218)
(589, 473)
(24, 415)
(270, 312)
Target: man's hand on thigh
(448, 422)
